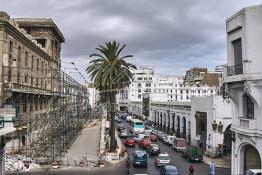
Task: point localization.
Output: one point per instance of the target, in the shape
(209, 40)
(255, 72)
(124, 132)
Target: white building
(243, 85)
(93, 96)
(204, 111)
(173, 89)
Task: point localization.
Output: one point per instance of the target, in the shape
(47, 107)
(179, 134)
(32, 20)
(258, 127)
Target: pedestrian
(191, 170)
(212, 168)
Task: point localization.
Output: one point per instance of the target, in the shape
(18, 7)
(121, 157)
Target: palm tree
(110, 73)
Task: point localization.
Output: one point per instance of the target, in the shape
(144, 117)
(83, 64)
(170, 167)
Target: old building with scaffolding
(48, 105)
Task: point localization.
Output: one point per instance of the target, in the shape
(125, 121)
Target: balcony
(245, 123)
(235, 70)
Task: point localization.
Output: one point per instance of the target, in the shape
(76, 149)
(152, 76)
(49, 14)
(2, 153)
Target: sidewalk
(85, 147)
(224, 162)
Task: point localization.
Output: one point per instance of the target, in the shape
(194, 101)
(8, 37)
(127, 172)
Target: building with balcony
(204, 112)
(242, 85)
(43, 97)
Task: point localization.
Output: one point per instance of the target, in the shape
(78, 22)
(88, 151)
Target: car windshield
(248, 172)
(164, 157)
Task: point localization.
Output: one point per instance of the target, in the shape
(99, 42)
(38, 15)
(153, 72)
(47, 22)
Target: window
(19, 54)
(139, 90)
(26, 59)
(139, 85)
(181, 91)
(171, 96)
(198, 91)
(32, 62)
(171, 90)
(237, 51)
(248, 107)
(145, 78)
(139, 78)
(211, 91)
(204, 91)
(150, 78)
(10, 51)
(139, 96)
(187, 91)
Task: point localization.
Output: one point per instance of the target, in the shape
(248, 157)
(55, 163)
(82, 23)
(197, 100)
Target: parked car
(179, 144)
(153, 137)
(253, 172)
(144, 143)
(123, 134)
(162, 159)
(193, 153)
(153, 149)
(129, 141)
(169, 140)
(168, 170)
(140, 158)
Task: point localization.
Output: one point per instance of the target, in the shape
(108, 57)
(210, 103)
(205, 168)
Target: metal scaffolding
(66, 113)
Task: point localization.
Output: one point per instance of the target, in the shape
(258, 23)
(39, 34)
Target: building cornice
(10, 29)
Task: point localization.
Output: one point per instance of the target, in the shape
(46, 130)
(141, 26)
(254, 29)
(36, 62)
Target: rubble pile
(18, 163)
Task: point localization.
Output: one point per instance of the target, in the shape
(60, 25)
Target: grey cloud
(173, 34)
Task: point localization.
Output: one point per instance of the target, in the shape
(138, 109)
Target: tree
(110, 73)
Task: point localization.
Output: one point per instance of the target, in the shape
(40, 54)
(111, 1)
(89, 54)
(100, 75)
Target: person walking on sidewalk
(191, 170)
(212, 168)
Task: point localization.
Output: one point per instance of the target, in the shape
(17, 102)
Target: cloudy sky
(170, 36)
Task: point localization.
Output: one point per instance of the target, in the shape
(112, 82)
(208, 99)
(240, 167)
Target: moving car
(169, 140)
(137, 126)
(140, 158)
(153, 137)
(123, 134)
(139, 137)
(119, 120)
(153, 149)
(179, 144)
(144, 143)
(253, 172)
(130, 142)
(120, 127)
(162, 137)
(129, 118)
(162, 159)
(193, 153)
(168, 170)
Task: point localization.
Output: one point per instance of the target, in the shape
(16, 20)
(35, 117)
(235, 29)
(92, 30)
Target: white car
(253, 172)
(169, 140)
(128, 118)
(162, 159)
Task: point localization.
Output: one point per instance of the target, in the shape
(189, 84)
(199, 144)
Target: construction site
(43, 109)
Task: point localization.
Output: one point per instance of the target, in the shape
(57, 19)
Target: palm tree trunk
(112, 117)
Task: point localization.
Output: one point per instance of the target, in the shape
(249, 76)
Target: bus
(137, 126)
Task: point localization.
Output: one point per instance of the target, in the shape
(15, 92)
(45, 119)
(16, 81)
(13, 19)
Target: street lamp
(217, 127)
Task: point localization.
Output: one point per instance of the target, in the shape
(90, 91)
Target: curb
(207, 161)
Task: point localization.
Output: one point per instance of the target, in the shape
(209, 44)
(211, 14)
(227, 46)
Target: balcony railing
(235, 70)
(246, 123)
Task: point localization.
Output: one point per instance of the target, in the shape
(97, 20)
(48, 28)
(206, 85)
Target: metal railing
(235, 70)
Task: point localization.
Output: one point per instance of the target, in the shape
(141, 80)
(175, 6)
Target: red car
(144, 143)
(130, 142)
(153, 137)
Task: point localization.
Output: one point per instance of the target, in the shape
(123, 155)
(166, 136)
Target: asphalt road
(178, 161)
(176, 158)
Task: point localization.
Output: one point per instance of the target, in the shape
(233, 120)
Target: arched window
(248, 107)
